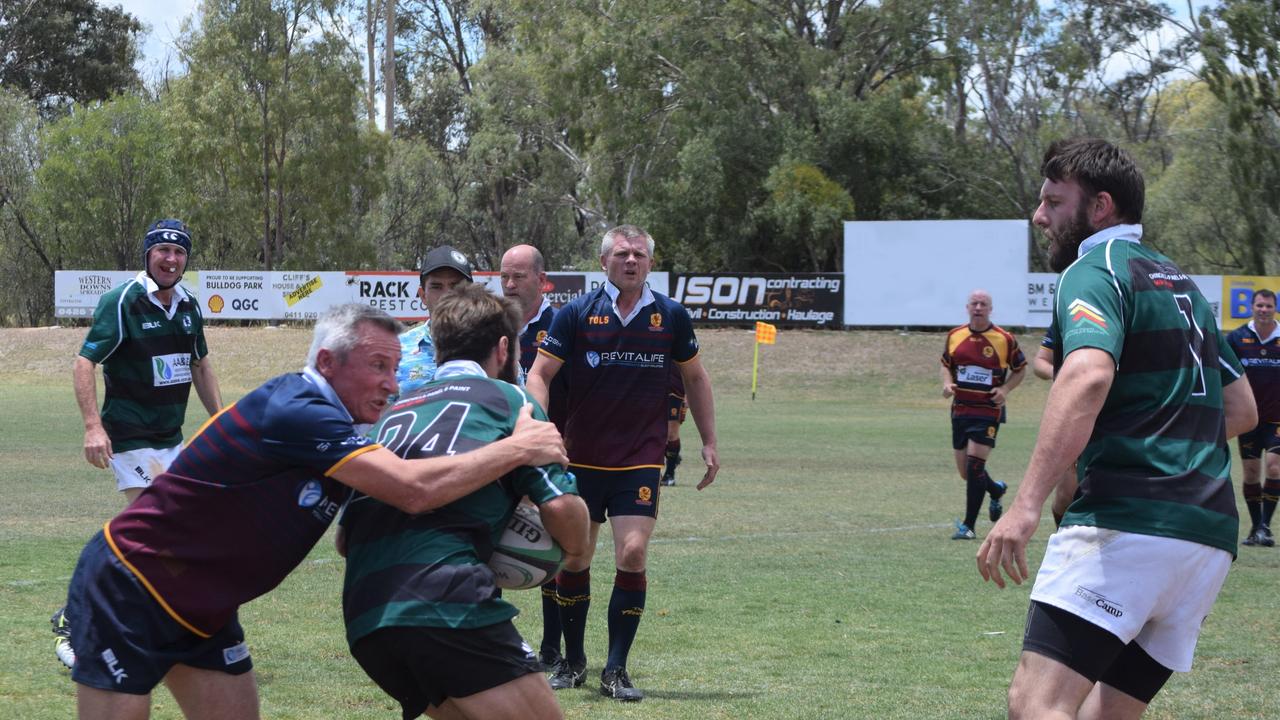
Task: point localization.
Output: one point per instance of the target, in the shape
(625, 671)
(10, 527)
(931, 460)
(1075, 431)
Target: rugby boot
(62, 638)
(615, 683)
(1252, 538)
(963, 532)
(1265, 538)
(566, 676)
(994, 508)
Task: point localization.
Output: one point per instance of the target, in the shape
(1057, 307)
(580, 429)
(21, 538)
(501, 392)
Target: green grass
(815, 579)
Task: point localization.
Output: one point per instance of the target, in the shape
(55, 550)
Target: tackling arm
(416, 486)
(97, 446)
(697, 391)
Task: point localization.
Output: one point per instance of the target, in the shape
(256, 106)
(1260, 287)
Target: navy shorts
(1263, 438)
(424, 666)
(980, 430)
(618, 492)
(677, 408)
(125, 641)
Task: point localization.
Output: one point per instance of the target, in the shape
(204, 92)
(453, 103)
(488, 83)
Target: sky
(163, 19)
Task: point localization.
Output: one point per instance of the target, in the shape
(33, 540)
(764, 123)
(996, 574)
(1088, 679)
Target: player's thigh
(578, 563)
(978, 449)
(212, 694)
(95, 704)
(525, 698)
(631, 535)
(1107, 703)
(1045, 688)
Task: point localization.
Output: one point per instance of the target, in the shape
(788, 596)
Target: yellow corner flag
(766, 334)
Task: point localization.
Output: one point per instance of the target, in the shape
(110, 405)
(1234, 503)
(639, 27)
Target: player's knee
(632, 556)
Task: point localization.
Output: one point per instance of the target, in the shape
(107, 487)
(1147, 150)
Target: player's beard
(1064, 244)
(510, 371)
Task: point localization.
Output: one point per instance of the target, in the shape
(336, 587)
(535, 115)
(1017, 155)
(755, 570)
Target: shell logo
(216, 303)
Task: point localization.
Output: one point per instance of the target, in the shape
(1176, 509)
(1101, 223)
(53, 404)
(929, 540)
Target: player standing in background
(148, 336)
(157, 591)
(523, 276)
(424, 617)
(443, 270)
(618, 343)
(677, 408)
(1042, 366)
(1257, 344)
(1130, 577)
(981, 365)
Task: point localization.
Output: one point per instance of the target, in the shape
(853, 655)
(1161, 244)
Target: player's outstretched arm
(97, 446)
(538, 381)
(702, 403)
(565, 517)
(206, 383)
(1074, 401)
(416, 486)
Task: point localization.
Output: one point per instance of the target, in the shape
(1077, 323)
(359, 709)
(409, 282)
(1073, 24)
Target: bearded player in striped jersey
(1146, 394)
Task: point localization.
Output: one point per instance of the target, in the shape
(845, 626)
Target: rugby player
(619, 342)
(981, 365)
(1129, 578)
(1257, 344)
(678, 409)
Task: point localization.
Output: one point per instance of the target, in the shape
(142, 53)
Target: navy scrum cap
(447, 256)
(169, 231)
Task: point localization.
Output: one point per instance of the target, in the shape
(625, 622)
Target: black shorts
(424, 666)
(1094, 653)
(618, 492)
(125, 641)
(980, 430)
(677, 408)
(1263, 438)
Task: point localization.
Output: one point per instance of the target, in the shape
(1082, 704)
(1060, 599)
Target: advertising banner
(76, 292)
(1041, 288)
(236, 295)
(1237, 297)
(806, 299)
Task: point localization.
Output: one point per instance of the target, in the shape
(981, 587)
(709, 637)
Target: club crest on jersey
(988, 351)
(542, 335)
(310, 494)
(655, 322)
(1082, 312)
(644, 496)
(593, 358)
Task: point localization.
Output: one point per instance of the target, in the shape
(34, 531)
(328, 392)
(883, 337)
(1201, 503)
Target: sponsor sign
(306, 295)
(1042, 286)
(806, 299)
(238, 295)
(76, 292)
(1237, 297)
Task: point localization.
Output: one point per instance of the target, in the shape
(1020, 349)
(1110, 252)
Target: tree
(59, 52)
(26, 296)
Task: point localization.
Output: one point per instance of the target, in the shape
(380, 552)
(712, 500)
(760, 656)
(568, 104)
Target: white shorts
(1155, 590)
(137, 468)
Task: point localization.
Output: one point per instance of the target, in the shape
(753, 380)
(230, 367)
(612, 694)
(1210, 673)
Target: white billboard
(1042, 286)
(920, 272)
(76, 292)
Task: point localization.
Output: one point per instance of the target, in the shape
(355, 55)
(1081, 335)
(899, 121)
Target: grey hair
(338, 329)
(630, 232)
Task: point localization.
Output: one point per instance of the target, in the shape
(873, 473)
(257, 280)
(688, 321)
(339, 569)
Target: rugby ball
(526, 556)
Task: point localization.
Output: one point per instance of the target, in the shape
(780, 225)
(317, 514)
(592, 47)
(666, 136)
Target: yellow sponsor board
(302, 291)
(1237, 297)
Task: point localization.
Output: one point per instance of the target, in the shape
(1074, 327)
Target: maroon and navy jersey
(1261, 360)
(243, 503)
(619, 377)
(530, 338)
(980, 362)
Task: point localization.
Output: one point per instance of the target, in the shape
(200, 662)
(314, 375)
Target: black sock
(673, 456)
(574, 590)
(975, 488)
(625, 608)
(1253, 500)
(550, 620)
(1270, 493)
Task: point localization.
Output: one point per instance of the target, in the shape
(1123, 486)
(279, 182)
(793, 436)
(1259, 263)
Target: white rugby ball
(526, 556)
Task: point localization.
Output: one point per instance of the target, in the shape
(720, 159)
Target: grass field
(815, 579)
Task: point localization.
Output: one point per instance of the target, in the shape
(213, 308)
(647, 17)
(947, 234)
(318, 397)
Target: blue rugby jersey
(243, 503)
(1261, 360)
(617, 408)
(534, 332)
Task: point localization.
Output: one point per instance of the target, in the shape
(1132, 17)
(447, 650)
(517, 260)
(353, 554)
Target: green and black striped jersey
(145, 351)
(429, 570)
(1157, 462)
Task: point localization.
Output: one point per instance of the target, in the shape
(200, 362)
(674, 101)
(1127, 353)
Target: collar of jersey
(1128, 233)
(179, 293)
(613, 292)
(1275, 333)
(460, 368)
(536, 316)
(326, 389)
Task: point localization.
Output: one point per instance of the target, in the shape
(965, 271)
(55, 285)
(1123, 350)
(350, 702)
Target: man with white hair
(156, 592)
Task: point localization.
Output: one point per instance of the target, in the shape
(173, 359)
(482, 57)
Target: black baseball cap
(447, 256)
